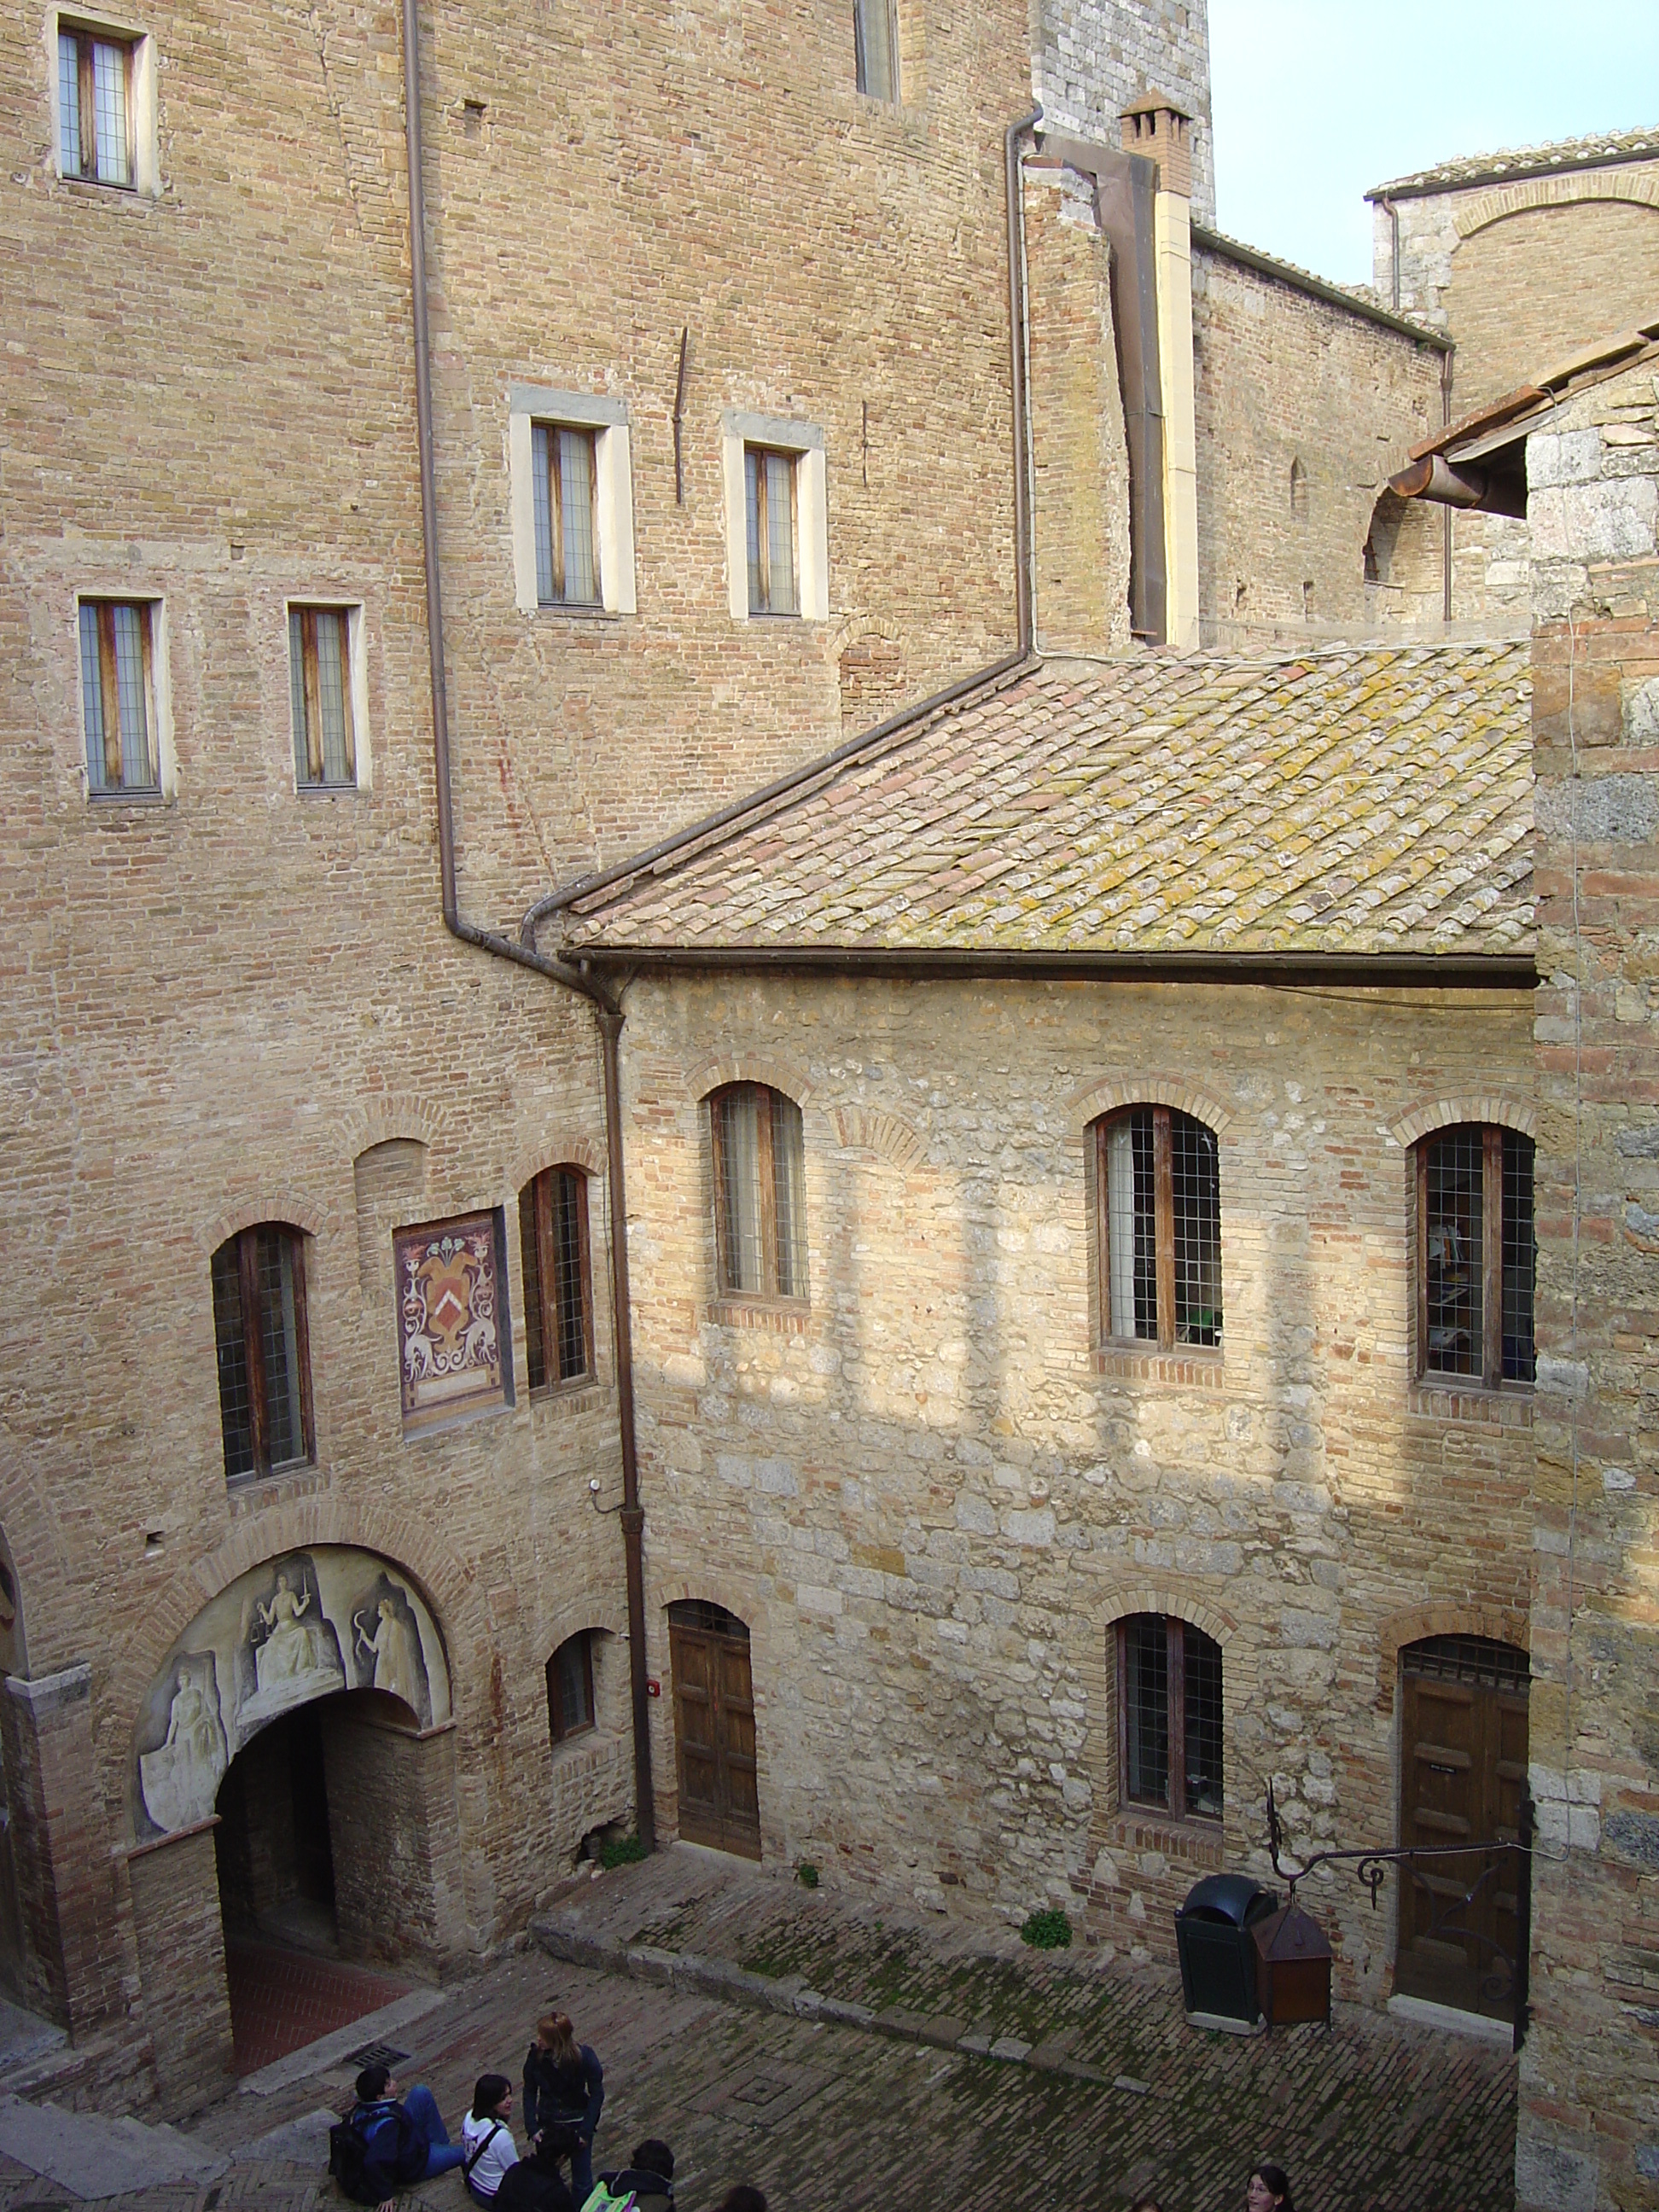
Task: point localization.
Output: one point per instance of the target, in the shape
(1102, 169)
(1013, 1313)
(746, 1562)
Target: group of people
(391, 2139)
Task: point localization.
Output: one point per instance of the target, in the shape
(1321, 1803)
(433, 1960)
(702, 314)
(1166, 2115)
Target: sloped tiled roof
(1353, 801)
(1522, 161)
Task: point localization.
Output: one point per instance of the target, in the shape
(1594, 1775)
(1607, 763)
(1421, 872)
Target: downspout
(1023, 550)
(1446, 528)
(1393, 214)
(607, 1008)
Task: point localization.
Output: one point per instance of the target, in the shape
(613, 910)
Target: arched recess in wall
(305, 1625)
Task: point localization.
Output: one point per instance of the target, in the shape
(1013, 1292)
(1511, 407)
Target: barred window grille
(118, 696)
(1159, 1198)
(565, 474)
(558, 1293)
(760, 1193)
(1170, 1716)
(1477, 1254)
(770, 504)
(262, 1349)
(320, 673)
(94, 106)
(875, 48)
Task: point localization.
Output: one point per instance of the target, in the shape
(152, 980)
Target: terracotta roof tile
(1513, 161)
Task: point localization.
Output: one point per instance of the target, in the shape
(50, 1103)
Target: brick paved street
(281, 2000)
(828, 2115)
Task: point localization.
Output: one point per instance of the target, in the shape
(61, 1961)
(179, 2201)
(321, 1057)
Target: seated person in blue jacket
(404, 2139)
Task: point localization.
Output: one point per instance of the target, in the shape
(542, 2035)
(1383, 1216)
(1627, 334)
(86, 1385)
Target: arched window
(570, 1687)
(1168, 1716)
(1159, 1191)
(760, 1193)
(1477, 1254)
(558, 1279)
(263, 1350)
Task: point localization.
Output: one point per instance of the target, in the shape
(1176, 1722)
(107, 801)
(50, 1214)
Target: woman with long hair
(564, 2086)
(487, 2137)
(1270, 2190)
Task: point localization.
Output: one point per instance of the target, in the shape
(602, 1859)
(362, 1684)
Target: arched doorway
(1463, 1778)
(714, 1728)
(298, 1732)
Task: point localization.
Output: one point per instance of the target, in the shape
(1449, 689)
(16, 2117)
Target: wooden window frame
(115, 785)
(541, 1201)
(555, 432)
(1163, 1237)
(1174, 1722)
(762, 532)
(556, 1728)
(1492, 1375)
(254, 1351)
(308, 740)
(86, 36)
(769, 1294)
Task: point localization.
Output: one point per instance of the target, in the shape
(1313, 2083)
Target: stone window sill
(576, 1396)
(786, 1316)
(1455, 1398)
(1195, 1366)
(257, 1493)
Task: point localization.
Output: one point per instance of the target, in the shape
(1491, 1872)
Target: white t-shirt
(494, 2161)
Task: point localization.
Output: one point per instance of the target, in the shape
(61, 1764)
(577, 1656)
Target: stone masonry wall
(930, 1498)
(1589, 2135)
(1094, 56)
(1286, 385)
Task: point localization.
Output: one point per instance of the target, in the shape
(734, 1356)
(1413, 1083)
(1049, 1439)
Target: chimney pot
(1155, 126)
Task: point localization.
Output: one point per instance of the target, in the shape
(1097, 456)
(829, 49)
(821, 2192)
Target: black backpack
(369, 2181)
(530, 2187)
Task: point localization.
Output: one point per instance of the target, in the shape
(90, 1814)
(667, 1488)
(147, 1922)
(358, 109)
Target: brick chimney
(1160, 132)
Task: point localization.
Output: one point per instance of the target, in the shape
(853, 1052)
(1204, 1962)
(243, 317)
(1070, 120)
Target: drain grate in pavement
(763, 2094)
(376, 2054)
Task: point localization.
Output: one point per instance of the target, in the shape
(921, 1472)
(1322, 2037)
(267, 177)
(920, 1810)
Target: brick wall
(1094, 57)
(181, 1956)
(1590, 2117)
(931, 1500)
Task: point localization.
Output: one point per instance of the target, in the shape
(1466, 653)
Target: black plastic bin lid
(1228, 1897)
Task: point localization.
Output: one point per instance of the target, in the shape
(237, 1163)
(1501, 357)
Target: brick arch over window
(774, 1070)
(366, 1126)
(1153, 1596)
(1453, 1113)
(1087, 1106)
(734, 1594)
(1527, 193)
(1412, 1626)
(868, 1130)
(271, 1202)
(564, 1148)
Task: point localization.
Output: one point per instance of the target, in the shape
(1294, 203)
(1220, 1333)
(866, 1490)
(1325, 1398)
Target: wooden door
(715, 1729)
(1463, 1772)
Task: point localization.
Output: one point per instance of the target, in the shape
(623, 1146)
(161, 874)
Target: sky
(1317, 101)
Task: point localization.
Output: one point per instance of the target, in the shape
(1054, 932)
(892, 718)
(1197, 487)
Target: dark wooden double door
(1463, 1775)
(715, 1729)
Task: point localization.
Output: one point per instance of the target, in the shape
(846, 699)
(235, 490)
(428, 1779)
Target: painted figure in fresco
(396, 1661)
(292, 1648)
(181, 1778)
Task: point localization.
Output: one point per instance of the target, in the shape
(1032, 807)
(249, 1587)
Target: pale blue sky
(1316, 100)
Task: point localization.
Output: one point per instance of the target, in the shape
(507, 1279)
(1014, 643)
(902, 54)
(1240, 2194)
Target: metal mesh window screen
(1480, 1659)
(1132, 1227)
(131, 625)
(333, 676)
(1202, 1669)
(1195, 1191)
(535, 1348)
(319, 663)
(769, 497)
(69, 102)
(873, 40)
(738, 1125)
(569, 1202)
(278, 1340)
(235, 1404)
(1146, 1693)
(92, 697)
(701, 1612)
(109, 80)
(1520, 1258)
(789, 1181)
(1454, 1244)
(581, 586)
(539, 438)
(115, 686)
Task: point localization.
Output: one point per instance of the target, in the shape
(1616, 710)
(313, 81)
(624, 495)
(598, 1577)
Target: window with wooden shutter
(1476, 1255)
(1158, 1204)
(570, 1687)
(770, 503)
(1168, 1716)
(321, 691)
(118, 696)
(264, 1351)
(95, 106)
(760, 1193)
(558, 1291)
(567, 515)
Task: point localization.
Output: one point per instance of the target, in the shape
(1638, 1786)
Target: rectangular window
(557, 1278)
(263, 1356)
(1159, 1204)
(117, 695)
(770, 505)
(1477, 1254)
(760, 1205)
(570, 1688)
(876, 48)
(94, 106)
(319, 676)
(1169, 1731)
(567, 525)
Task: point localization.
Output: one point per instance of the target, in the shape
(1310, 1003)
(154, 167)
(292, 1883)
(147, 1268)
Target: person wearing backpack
(387, 2142)
(487, 2138)
(535, 2184)
(646, 2183)
(564, 2085)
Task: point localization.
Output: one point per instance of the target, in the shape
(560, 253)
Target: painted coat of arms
(449, 1337)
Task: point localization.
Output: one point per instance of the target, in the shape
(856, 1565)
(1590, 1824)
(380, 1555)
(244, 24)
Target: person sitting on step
(487, 2138)
(404, 2139)
(536, 2182)
(649, 2173)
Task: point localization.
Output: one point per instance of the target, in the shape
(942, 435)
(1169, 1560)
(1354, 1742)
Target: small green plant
(621, 1850)
(807, 1874)
(1047, 1930)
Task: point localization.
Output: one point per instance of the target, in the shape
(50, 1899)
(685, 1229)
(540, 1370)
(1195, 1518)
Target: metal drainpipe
(1446, 528)
(1023, 550)
(607, 1008)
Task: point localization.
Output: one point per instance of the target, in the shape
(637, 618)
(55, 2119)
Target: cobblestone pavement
(1376, 2116)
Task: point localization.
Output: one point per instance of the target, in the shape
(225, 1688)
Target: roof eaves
(1611, 150)
(1303, 280)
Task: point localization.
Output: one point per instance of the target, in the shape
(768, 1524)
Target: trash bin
(1218, 1969)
